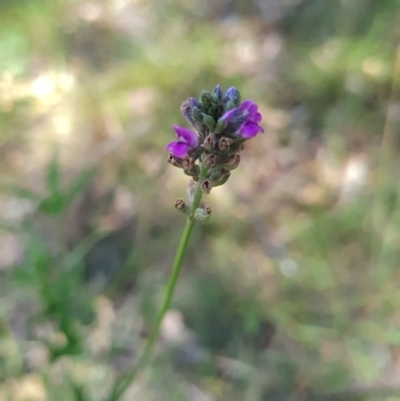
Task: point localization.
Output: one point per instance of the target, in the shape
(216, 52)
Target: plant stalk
(128, 377)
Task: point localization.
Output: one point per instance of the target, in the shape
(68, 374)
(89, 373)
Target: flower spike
(222, 123)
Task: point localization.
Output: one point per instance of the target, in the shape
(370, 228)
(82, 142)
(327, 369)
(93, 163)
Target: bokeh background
(290, 292)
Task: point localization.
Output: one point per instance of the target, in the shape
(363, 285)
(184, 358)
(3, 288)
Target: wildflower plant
(209, 152)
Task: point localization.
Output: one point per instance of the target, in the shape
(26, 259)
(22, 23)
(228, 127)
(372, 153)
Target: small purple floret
(218, 92)
(250, 127)
(231, 93)
(187, 140)
(227, 116)
(193, 102)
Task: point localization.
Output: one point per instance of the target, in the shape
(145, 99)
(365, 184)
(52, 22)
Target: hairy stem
(129, 376)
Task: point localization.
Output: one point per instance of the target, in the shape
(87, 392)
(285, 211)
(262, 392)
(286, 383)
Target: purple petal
(253, 109)
(228, 115)
(193, 102)
(187, 136)
(230, 92)
(178, 149)
(245, 105)
(217, 92)
(250, 130)
(231, 95)
(171, 146)
(257, 118)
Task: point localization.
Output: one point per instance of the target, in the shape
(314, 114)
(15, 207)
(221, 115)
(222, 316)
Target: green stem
(197, 193)
(128, 377)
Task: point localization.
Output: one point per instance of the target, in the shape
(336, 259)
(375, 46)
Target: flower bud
(209, 142)
(231, 95)
(224, 120)
(209, 122)
(193, 102)
(232, 162)
(214, 174)
(209, 160)
(205, 207)
(186, 111)
(194, 172)
(207, 100)
(181, 206)
(223, 178)
(197, 115)
(231, 104)
(206, 186)
(217, 93)
(224, 143)
(174, 161)
(218, 176)
(188, 163)
(201, 214)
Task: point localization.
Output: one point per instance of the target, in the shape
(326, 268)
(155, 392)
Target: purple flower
(228, 115)
(249, 127)
(225, 119)
(187, 140)
(217, 92)
(232, 95)
(193, 102)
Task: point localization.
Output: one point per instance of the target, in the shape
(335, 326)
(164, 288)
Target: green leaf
(53, 204)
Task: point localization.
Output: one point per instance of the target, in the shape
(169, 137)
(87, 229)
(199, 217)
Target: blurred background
(290, 292)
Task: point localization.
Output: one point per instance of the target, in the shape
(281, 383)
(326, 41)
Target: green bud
(232, 94)
(217, 93)
(223, 179)
(214, 174)
(233, 162)
(206, 100)
(197, 115)
(220, 126)
(191, 169)
(218, 176)
(209, 122)
(230, 105)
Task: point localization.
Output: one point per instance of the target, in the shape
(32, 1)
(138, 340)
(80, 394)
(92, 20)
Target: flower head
(222, 124)
(249, 127)
(187, 140)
